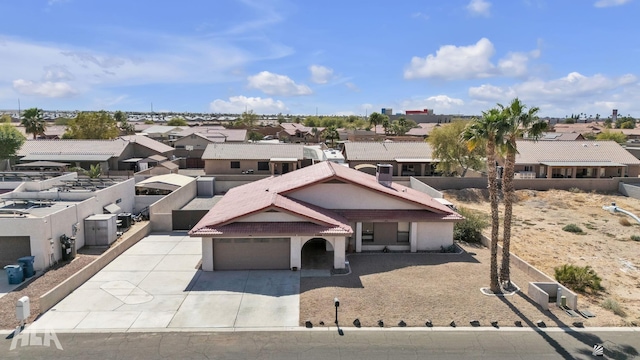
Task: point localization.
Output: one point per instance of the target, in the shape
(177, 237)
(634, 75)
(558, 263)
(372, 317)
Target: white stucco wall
(347, 196)
(432, 235)
(144, 201)
(160, 212)
(44, 230)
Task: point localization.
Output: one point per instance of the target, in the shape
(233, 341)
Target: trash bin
(27, 265)
(14, 274)
(68, 247)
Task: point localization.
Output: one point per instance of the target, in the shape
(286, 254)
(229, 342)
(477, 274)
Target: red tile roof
(273, 228)
(271, 193)
(395, 215)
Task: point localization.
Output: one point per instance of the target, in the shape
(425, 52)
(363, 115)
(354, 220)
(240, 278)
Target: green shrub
(470, 229)
(613, 305)
(635, 237)
(573, 228)
(578, 278)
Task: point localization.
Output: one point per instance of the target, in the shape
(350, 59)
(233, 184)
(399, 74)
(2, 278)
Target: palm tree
(488, 131)
(375, 119)
(33, 122)
(332, 134)
(520, 121)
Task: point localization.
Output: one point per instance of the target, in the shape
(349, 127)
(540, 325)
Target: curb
(300, 329)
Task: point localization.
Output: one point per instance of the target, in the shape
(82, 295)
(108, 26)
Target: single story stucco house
(266, 223)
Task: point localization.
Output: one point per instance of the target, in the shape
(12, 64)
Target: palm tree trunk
(509, 198)
(495, 221)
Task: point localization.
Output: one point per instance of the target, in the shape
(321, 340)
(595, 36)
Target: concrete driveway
(155, 284)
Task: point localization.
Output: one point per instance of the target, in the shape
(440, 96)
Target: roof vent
(384, 174)
(584, 145)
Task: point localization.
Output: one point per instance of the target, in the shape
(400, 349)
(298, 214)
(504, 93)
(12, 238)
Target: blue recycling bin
(14, 274)
(27, 265)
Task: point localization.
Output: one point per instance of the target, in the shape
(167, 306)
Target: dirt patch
(37, 288)
(605, 245)
(415, 288)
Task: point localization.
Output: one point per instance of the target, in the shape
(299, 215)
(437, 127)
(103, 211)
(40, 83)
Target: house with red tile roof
(267, 223)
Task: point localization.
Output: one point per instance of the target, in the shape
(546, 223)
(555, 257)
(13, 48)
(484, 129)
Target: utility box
(206, 186)
(23, 308)
(100, 230)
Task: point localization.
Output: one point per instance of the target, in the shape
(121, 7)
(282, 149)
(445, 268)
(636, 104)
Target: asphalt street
(329, 344)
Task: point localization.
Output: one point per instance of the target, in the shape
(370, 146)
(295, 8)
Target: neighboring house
(265, 224)
(50, 132)
(162, 132)
(633, 135)
(191, 146)
(407, 158)
(37, 213)
(561, 136)
(298, 133)
(591, 129)
(574, 159)
(118, 154)
(253, 158)
(360, 135)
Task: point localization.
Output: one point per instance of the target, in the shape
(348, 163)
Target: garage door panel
(12, 248)
(251, 254)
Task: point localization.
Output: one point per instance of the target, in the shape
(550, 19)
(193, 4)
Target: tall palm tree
(488, 131)
(520, 120)
(33, 122)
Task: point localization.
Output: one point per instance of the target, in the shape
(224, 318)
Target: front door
(285, 168)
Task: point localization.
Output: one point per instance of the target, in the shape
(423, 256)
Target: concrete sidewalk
(156, 285)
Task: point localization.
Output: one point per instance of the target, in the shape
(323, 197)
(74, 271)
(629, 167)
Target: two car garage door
(251, 254)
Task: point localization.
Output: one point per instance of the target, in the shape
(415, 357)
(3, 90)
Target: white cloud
(479, 7)
(46, 89)
(439, 103)
(238, 104)
(572, 93)
(469, 62)
(454, 62)
(320, 74)
(609, 3)
(276, 84)
(92, 73)
(351, 86)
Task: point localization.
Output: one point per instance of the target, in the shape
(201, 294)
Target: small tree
(447, 146)
(10, 141)
(94, 171)
(177, 121)
(618, 137)
(92, 125)
(470, 229)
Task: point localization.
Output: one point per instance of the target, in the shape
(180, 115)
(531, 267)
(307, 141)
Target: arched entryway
(317, 253)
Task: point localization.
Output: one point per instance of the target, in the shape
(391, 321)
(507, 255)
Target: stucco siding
(271, 217)
(433, 235)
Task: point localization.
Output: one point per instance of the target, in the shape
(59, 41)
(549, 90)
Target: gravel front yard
(37, 288)
(417, 287)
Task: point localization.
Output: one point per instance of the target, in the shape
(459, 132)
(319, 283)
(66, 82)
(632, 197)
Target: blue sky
(331, 56)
